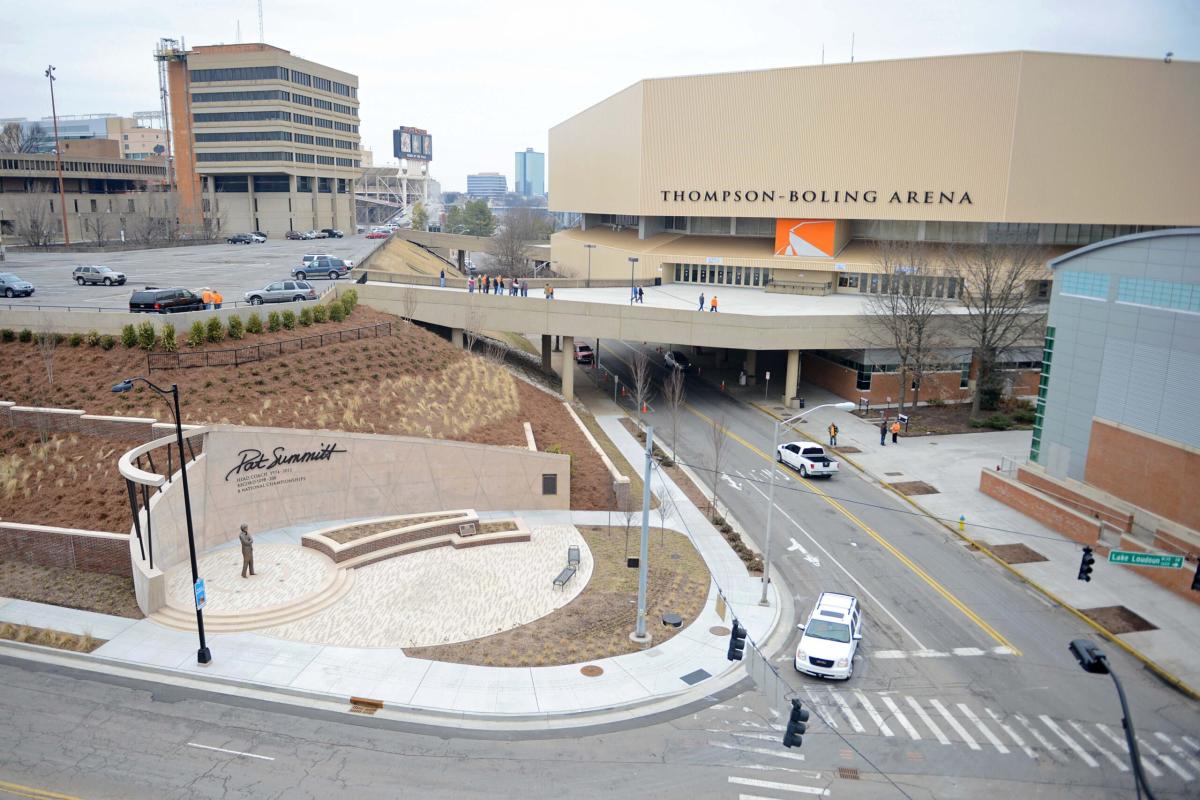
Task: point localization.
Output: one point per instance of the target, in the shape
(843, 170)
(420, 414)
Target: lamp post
(1093, 660)
(639, 633)
(62, 195)
(590, 248)
(766, 577)
(632, 289)
(203, 655)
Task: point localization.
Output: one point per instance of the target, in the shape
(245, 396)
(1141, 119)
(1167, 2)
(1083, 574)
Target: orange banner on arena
(805, 237)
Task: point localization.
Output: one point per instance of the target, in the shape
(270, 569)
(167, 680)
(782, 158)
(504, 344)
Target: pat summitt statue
(247, 550)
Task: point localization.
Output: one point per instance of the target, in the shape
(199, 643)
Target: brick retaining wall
(65, 548)
(1123, 520)
(1051, 513)
(380, 542)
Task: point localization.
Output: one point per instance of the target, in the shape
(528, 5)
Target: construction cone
(644, 409)
(722, 386)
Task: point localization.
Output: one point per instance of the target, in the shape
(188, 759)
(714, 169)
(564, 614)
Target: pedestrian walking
(546, 291)
(883, 433)
(206, 298)
(701, 308)
(218, 298)
(833, 432)
(551, 292)
(471, 285)
(712, 306)
(442, 279)
(641, 295)
(247, 550)
(525, 288)
(896, 432)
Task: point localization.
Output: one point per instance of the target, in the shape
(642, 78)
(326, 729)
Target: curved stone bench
(404, 539)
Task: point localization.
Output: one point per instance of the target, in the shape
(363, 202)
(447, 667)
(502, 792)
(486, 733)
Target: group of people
(884, 430)
(712, 303)
(486, 284)
(638, 295)
(211, 298)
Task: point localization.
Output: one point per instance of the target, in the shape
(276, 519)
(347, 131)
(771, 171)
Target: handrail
(132, 473)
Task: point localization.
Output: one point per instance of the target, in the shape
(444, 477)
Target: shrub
(108, 342)
(197, 334)
(75, 339)
(236, 329)
(997, 422)
(337, 312)
(289, 320)
(146, 336)
(93, 338)
(25, 335)
(216, 331)
(254, 323)
(168, 339)
(306, 317)
(1025, 416)
(935, 402)
(350, 299)
(320, 314)
(274, 321)
(129, 336)
(7, 335)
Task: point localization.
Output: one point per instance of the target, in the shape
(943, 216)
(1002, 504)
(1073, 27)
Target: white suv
(831, 637)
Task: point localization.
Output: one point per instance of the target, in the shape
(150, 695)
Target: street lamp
(62, 195)
(766, 576)
(203, 655)
(590, 248)
(632, 289)
(1093, 660)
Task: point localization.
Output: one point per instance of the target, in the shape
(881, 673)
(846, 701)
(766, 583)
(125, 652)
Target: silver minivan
(282, 292)
(98, 274)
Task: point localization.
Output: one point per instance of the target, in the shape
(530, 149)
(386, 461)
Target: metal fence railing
(234, 357)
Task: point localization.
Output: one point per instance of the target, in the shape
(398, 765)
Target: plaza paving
(284, 573)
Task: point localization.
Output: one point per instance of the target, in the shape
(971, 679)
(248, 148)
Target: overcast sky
(490, 78)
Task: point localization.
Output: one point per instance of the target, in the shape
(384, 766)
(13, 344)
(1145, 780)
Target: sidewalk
(951, 464)
(682, 669)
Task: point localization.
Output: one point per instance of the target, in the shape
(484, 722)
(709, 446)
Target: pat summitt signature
(255, 460)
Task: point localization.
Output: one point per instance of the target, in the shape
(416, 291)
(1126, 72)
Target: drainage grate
(848, 773)
(893, 474)
(1118, 619)
(914, 487)
(364, 705)
(1016, 553)
(847, 449)
(692, 678)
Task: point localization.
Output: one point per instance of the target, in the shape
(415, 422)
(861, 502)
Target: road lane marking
(847, 712)
(928, 720)
(815, 701)
(1166, 760)
(984, 729)
(908, 562)
(1118, 763)
(955, 724)
(1071, 743)
(1042, 740)
(873, 714)
(1179, 751)
(779, 787)
(840, 566)
(766, 737)
(1011, 733)
(34, 793)
(762, 751)
(1147, 764)
(231, 752)
(903, 720)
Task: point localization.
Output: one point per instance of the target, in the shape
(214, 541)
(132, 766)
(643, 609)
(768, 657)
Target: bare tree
(905, 316)
(719, 441)
(47, 343)
(496, 351)
(521, 227)
(673, 397)
(643, 382)
(1001, 311)
(36, 224)
(16, 139)
(97, 226)
(471, 324)
(666, 509)
(409, 301)
(420, 217)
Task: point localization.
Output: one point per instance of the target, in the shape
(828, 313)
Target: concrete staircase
(452, 539)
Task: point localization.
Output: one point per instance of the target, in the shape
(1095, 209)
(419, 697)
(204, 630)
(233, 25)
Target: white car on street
(809, 459)
(831, 637)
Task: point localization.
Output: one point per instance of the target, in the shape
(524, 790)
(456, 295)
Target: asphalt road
(232, 269)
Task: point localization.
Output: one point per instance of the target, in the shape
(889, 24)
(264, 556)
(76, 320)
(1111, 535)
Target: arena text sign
(834, 196)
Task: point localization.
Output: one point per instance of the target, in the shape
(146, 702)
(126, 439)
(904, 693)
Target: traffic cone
(644, 408)
(722, 386)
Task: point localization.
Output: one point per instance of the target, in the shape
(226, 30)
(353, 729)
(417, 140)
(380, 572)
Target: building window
(302, 119)
(302, 78)
(755, 226)
(305, 158)
(675, 224)
(261, 155)
(245, 136)
(238, 74)
(303, 183)
(549, 484)
(325, 185)
(711, 226)
(271, 183)
(244, 116)
(848, 281)
(325, 160)
(1084, 284)
(229, 183)
(239, 97)
(1159, 294)
(341, 186)
(302, 138)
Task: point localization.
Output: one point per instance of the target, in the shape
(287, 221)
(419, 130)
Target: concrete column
(253, 222)
(751, 367)
(792, 378)
(456, 337)
(546, 354)
(568, 368)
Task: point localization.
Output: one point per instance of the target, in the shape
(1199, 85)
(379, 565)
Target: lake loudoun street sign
(1145, 559)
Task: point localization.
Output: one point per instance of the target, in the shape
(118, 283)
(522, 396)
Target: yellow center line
(35, 794)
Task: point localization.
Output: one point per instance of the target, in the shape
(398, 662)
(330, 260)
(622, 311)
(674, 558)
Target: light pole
(766, 576)
(203, 655)
(62, 195)
(632, 289)
(1093, 660)
(639, 633)
(590, 248)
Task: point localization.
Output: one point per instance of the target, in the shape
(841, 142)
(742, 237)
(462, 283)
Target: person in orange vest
(896, 432)
(218, 298)
(207, 298)
(712, 304)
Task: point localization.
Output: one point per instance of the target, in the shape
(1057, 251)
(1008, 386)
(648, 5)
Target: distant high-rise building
(135, 141)
(487, 184)
(531, 173)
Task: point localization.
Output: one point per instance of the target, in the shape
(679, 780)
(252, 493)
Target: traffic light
(1085, 565)
(794, 735)
(737, 642)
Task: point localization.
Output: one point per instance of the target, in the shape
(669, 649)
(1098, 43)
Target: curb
(1159, 671)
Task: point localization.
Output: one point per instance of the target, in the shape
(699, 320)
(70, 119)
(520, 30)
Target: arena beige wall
(1033, 137)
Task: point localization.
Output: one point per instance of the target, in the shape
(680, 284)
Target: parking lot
(231, 269)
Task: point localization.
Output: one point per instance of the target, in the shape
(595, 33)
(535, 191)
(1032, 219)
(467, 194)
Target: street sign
(200, 598)
(1145, 559)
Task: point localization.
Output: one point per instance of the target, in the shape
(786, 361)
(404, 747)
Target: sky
(487, 79)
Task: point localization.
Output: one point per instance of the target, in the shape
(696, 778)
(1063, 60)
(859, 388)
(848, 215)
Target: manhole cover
(692, 678)
(1016, 553)
(848, 773)
(914, 487)
(1118, 619)
(592, 671)
(717, 630)
(893, 474)
(848, 449)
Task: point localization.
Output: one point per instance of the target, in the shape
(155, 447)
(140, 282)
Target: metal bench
(573, 556)
(564, 576)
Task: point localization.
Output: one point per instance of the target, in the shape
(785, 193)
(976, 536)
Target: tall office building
(262, 140)
(487, 184)
(531, 173)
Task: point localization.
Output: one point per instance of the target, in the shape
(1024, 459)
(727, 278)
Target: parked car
(12, 286)
(282, 292)
(98, 274)
(378, 235)
(259, 234)
(584, 354)
(328, 266)
(308, 235)
(677, 360)
(359, 229)
(810, 459)
(332, 233)
(307, 257)
(165, 301)
(240, 238)
(831, 637)
(316, 235)
(293, 235)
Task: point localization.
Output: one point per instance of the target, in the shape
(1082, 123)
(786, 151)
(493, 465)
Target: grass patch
(48, 637)
(614, 455)
(355, 532)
